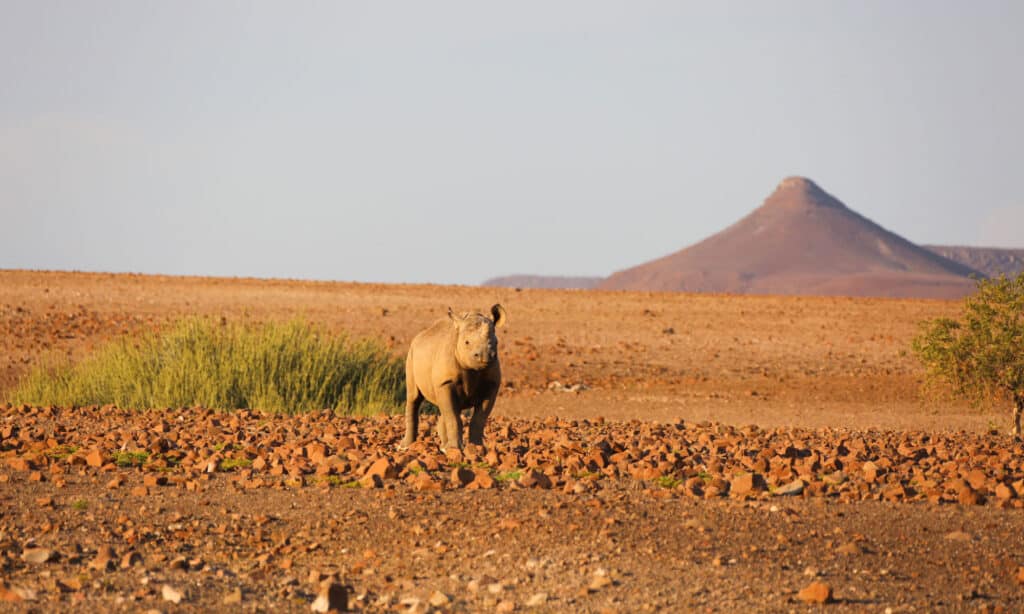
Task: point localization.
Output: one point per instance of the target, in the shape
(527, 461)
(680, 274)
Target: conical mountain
(802, 240)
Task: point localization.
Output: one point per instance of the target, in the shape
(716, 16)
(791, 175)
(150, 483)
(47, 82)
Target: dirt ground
(621, 473)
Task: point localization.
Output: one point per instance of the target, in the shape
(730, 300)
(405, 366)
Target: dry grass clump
(284, 367)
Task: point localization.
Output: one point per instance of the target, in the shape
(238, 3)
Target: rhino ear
(499, 315)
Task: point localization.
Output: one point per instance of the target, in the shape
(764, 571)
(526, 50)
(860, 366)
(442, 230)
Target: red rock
(96, 458)
(747, 484)
(462, 476)
(969, 496)
(1004, 492)
(815, 592)
(104, 560)
(171, 594)
(535, 479)
(37, 555)
(332, 596)
(152, 479)
(871, 472)
(424, 482)
(371, 480)
(454, 456)
(977, 479)
(482, 480)
(20, 464)
(383, 468)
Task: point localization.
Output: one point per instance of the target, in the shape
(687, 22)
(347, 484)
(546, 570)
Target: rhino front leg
(449, 423)
(1018, 407)
(480, 415)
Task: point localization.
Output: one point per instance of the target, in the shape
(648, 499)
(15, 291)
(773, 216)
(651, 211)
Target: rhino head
(476, 345)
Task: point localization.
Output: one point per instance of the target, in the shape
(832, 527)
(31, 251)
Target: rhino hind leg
(413, 400)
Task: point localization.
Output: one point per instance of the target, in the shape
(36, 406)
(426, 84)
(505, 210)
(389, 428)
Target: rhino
(454, 365)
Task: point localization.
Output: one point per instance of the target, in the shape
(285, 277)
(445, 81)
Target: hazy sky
(452, 141)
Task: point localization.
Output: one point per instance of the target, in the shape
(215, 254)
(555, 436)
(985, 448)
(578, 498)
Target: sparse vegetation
(981, 355)
(80, 504)
(61, 452)
(288, 368)
(667, 481)
(509, 476)
(136, 458)
(229, 464)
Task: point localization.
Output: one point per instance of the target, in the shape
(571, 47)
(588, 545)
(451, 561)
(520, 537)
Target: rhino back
(432, 358)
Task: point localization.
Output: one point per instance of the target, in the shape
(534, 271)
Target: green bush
(981, 355)
(288, 367)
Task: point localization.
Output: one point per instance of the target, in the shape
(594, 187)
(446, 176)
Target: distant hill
(802, 240)
(550, 282)
(990, 261)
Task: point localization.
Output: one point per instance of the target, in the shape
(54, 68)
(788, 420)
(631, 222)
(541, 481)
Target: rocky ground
(649, 452)
(194, 509)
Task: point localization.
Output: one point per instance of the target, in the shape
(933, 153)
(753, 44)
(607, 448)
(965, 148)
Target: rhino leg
(449, 424)
(481, 413)
(413, 400)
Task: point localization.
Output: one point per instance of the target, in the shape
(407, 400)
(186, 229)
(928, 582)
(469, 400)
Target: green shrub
(980, 355)
(287, 367)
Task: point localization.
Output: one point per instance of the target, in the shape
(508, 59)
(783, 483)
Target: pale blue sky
(449, 142)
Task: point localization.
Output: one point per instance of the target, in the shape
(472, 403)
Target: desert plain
(648, 452)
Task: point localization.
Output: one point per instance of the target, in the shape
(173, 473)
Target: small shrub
(667, 481)
(277, 367)
(509, 475)
(228, 464)
(137, 458)
(980, 355)
(80, 504)
(61, 452)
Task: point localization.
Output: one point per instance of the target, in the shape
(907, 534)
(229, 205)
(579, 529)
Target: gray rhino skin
(454, 365)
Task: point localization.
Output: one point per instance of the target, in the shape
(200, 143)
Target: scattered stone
(15, 594)
(791, 489)
(747, 484)
(96, 458)
(18, 463)
(438, 599)
(233, 598)
(371, 480)
(424, 482)
(104, 559)
(815, 592)
(169, 593)
(131, 559)
(37, 556)
(462, 476)
(539, 599)
(383, 468)
(153, 480)
(850, 548)
(535, 479)
(332, 596)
